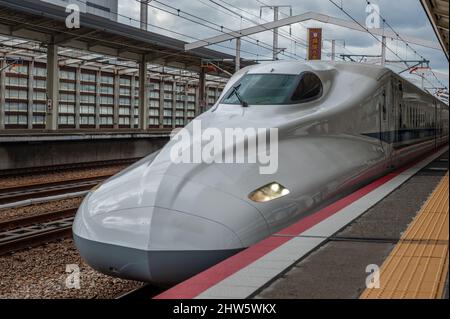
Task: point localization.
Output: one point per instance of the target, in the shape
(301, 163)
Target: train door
(396, 118)
(436, 124)
(385, 121)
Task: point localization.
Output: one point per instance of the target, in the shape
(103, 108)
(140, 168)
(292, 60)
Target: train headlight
(269, 192)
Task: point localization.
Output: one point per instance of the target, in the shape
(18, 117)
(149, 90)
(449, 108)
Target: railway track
(34, 235)
(47, 169)
(17, 194)
(37, 219)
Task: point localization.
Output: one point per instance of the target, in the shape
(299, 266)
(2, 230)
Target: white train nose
(151, 243)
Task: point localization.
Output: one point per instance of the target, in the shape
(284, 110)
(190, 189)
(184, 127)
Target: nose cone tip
(150, 243)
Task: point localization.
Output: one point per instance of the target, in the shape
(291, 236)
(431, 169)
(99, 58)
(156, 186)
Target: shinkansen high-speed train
(340, 126)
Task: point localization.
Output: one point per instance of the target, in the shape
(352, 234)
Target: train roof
(297, 67)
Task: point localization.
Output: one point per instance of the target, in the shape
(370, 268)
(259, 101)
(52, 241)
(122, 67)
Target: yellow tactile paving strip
(418, 265)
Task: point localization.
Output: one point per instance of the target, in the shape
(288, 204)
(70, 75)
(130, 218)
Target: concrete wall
(35, 154)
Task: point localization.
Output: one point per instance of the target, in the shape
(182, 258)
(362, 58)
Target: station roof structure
(45, 23)
(438, 11)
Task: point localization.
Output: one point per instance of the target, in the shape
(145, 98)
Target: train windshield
(274, 89)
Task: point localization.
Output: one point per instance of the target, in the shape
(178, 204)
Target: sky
(205, 18)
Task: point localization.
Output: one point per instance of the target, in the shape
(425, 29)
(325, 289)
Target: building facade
(90, 98)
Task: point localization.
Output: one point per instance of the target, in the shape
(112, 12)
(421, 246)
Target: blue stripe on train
(394, 137)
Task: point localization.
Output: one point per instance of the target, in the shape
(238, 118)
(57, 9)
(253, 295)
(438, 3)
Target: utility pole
(276, 17)
(333, 50)
(333, 47)
(276, 11)
(383, 51)
(238, 54)
(144, 14)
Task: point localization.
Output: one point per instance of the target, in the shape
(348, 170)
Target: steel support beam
(305, 17)
(97, 99)
(333, 50)
(116, 102)
(30, 94)
(238, 54)
(144, 14)
(2, 93)
(143, 95)
(201, 107)
(276, 17)
(52, 88)
(77, 98)
(133, 99)
(383, 51)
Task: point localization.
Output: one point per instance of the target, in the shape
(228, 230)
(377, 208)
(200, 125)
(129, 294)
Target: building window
(16, 94)
(125, 81)
(106, 120)
(87, 120)
(66, 108)
(106, 100)
(154, 95)
(16, 81)
(39, 96)
(107, 79)
(64, 97)
(107, 90)
(87, 99)
(38, 107)
(66, 120)
(16, 107)
(85, 109)
(41, 72)
(125, 101)
(67, 75)
(125, 91)
(87, 88)
(106, 110)
(38, 119)
(153, 121)
(88, 77)
(124, 111)
(124, 121)
(16, 120)
(40, 84)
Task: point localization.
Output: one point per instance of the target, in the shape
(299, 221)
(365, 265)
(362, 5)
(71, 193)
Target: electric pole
(276, 17)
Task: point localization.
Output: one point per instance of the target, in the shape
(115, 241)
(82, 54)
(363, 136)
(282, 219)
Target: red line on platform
(194, 286)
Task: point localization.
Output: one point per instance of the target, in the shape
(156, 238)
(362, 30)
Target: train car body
(341, 126)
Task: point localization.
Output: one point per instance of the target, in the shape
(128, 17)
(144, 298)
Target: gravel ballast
(38, 209)
(41, 273)
(38, 179)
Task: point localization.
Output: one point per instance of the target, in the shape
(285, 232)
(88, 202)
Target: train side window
(384, 106)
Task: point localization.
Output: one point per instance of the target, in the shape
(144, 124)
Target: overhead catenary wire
(178, 13)
(180, 53)
(368, 31)
(282, 33)
(306, 45)
(404, 41)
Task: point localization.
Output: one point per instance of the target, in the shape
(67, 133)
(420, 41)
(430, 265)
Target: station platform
(27, 136)
(387, 240)
(21, 150)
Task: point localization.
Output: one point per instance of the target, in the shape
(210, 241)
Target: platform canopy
(45, 23)
(437, 11)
